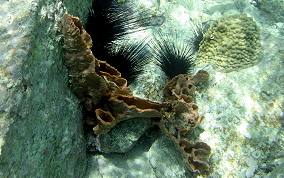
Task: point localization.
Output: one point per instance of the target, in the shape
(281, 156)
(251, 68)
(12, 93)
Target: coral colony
(232, 43)
(107, 100)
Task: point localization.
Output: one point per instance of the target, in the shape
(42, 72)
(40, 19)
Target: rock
(41, 133)
(154, 156)
(122, 137)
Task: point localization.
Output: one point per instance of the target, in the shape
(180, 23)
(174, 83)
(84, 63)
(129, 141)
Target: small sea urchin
(130, 58)
(173, 57)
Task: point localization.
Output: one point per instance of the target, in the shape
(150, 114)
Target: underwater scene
(142, 88)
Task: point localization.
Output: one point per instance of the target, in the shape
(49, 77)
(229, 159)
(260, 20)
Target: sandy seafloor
(243, 109)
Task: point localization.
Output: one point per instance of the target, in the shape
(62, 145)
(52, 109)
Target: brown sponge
(107, 100)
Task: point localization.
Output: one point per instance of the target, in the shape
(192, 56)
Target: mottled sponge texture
(232, 43)
(107, 100)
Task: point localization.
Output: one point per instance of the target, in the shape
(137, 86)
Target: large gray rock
(41, 132)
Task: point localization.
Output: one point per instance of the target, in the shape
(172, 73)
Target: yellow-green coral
(232, 43)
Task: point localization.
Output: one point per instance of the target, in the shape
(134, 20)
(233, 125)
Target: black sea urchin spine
(174, 57)
(110, 21)
(130, 58)
(198, 31)
(109, 26)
